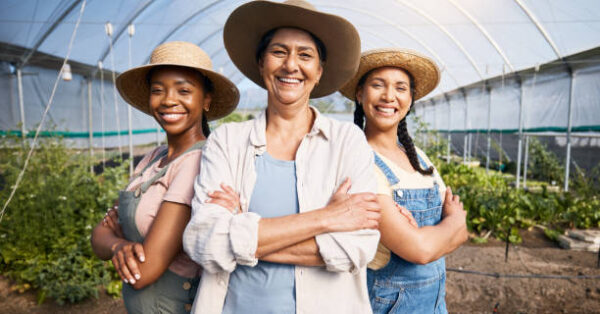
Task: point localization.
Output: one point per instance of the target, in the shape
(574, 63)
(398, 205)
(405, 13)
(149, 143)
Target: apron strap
(144, 186)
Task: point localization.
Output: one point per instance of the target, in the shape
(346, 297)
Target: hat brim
(425, 72)
(247, 24)
(134, 88)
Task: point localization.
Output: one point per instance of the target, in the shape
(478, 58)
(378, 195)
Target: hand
(350, 212)
(452, 205)
(408, 215)
(124, 260)
(111, 221)
(227, 198)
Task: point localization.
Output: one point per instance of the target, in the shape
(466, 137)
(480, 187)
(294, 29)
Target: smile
(172, 116)
(289, 80)
(387, 110)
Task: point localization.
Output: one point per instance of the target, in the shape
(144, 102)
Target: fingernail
(137, 276)
(125, 281)
(142, 258)
(132, 281)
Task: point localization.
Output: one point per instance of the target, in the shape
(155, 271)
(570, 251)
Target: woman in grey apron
(408, 273)
(143, 235)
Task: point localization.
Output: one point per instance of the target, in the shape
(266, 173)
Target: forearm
(275, 234)
(441, 239)
(305, 253)
(104, 241)
(152, 268)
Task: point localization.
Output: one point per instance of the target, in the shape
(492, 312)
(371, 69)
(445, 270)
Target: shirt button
(187, 285)
(188, 307)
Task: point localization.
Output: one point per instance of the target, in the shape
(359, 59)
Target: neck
(177, 144)
(382, 140)
(286, 120)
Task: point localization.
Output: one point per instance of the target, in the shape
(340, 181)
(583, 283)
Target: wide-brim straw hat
(425, 72)
(134, 87)
(247, 24)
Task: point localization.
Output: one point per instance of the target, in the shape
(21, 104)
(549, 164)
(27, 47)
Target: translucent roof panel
(471, 40)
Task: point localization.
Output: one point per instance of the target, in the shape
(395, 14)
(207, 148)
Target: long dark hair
(403, 136)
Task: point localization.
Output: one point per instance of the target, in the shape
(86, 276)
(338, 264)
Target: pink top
(177, 185)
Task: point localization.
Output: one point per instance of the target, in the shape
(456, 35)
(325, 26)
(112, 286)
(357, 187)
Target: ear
(207, 102)
(358, 95)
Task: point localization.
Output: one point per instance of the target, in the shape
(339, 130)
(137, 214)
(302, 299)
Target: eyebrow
(382, 80)
(284, 46)
(178, 82)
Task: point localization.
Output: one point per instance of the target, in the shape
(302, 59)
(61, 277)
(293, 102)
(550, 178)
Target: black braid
(359, 115)
(205, 128)
(403, 136)
(409, 146)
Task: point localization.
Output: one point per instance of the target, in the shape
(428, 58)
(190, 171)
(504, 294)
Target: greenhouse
(519, 94)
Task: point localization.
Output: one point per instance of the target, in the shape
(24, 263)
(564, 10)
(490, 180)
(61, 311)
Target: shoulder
(148, 157)
(228, 134)
(422, 154)
(345, 130)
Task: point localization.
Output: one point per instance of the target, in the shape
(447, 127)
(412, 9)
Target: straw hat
(247, 24)
(134, 88)
(424, 71)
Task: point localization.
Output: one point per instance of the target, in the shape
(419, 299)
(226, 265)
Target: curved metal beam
(398, 27)
(485, 33)
(445, 31)
(540, 28)
(135, 15)
(192, 16)
(49, 31)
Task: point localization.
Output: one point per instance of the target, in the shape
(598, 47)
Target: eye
(155, 90)
(401, 89)
(184, 91)
(278, 52)
(376, 85)
(305, 56)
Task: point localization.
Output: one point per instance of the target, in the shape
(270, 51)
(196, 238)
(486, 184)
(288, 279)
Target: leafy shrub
(543, 164)
(45, 232)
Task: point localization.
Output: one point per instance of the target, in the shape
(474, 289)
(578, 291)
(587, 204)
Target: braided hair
(402, 133)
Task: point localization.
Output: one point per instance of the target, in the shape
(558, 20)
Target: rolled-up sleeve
(351, 251)
(215, 238)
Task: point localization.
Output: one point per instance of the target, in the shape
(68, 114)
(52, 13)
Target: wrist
(116, 245)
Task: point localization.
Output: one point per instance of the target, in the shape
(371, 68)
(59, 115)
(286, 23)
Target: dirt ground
(465, 293)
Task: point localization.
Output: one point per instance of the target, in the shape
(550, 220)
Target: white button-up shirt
(219, 240)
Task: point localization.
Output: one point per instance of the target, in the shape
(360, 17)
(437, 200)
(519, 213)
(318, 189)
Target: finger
(456, 198)
(113, 214)
(344, 187)
(448, 192)
(139, 252)
(126, 273)
(132, 266)
(229, 190)
(223, 195)
(223, 203)
(373, 216)
(117, 267)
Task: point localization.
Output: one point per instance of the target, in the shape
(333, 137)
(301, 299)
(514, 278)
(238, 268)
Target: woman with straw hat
(182, 92)
(410, 278)
(290, 243)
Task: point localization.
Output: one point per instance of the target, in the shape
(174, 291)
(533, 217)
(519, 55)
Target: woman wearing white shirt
(296, 245)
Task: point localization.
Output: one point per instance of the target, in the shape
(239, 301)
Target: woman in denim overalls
(419, 224)
(143, 237)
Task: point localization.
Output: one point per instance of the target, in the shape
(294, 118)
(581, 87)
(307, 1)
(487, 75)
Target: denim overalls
(170, 293)
(401, 286)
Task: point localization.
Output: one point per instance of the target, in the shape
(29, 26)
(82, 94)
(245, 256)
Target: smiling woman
(283, 219)
(142, 235)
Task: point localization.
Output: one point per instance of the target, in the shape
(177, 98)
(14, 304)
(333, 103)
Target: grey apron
(170, 293)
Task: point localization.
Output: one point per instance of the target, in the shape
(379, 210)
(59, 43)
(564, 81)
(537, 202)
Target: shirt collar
(257, 134)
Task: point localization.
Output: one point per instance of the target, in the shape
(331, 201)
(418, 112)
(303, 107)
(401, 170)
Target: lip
(172, 117)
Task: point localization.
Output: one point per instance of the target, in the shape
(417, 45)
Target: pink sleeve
(181, 176)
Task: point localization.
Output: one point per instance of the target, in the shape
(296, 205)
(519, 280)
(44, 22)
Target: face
(177, 100)
(290, 66)
(385, 97)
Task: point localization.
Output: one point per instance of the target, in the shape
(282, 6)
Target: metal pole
(489, 129)
(569, 121)
(526, 162)
(90, 128)
(465, 144)
(131, 31)
(520, 142)
(21, 102)
(449, 128)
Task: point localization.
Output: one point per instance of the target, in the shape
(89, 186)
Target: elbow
(424, 254)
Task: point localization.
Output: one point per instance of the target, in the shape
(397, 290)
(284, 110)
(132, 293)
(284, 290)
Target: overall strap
(391, 177)
(144, 187)
(422, 162)
(158, 157)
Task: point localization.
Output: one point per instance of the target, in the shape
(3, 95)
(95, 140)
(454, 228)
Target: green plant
(543, 164)
(44, 235)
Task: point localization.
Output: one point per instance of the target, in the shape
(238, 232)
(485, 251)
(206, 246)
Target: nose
(389, 94)
(169, 99)
(291, 63)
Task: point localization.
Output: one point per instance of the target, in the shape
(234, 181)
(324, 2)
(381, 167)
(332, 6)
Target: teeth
(169, 116)
(385, 110)
(289, 80)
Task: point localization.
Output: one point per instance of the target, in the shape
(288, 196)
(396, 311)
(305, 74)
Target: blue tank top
(267, 287)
